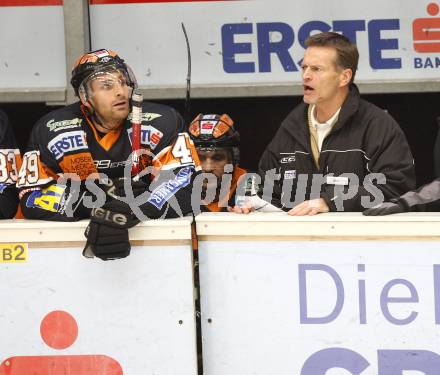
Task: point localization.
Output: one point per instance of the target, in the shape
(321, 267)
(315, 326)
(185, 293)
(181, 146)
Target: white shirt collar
(322, 129)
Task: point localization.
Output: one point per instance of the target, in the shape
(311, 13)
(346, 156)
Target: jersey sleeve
(181, 153)
(10, 161)
(41, 197)
(175, 165)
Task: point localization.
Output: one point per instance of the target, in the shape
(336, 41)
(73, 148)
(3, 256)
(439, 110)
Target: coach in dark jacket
(335, 151)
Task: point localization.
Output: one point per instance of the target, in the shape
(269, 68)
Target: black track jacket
(364, 140)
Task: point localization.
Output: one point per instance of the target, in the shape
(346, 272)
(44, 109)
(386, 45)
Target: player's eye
(106, 85)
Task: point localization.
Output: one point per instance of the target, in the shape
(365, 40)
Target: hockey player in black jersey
(71, 149)
(9, 164)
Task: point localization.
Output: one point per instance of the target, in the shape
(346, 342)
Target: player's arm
(417, 200)
(171, 190)
(9, 164)
(45, 191)
(175, 165)
(41, 197)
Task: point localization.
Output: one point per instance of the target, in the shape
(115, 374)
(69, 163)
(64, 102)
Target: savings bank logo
(426, 38)
(426, 31)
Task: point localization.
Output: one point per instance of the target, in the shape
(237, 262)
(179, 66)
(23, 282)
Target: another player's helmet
(212, 131)
(96, 62)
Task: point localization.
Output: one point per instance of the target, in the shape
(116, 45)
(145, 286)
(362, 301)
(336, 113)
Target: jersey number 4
(181, 151)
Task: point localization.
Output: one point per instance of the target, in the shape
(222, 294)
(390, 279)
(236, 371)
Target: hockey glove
(107, 232)
(395, 206)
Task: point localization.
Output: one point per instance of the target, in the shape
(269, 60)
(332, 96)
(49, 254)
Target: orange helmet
(215, 131)
(98, 61)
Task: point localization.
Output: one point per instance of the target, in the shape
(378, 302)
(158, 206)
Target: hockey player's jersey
(65, 143)
(9, 164)
(229, 200)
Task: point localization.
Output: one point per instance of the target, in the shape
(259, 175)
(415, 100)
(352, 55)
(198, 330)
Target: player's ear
(82, 94)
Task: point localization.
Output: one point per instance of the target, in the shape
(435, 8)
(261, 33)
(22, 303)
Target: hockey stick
(188, 80)
(136, 121)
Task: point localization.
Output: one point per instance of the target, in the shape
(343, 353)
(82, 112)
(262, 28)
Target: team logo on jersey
(65, 124)
(146, 116)
(67, 142)
(165, 191)
(150, 136)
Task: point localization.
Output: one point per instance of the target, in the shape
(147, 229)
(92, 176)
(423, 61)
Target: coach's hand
(310, 207)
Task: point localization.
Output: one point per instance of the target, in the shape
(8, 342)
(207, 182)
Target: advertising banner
(238, 43)
(64, 314)
(320, 307)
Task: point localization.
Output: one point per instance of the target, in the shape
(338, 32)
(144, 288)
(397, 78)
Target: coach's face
(322, 77)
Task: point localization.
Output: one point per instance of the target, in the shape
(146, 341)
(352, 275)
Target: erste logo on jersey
(150, 136)
(67, 142)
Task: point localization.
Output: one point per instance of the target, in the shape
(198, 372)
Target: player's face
(322, 78)
(109, 96)
(214, 161)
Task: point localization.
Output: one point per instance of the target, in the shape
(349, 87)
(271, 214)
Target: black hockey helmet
(96, 62)
(213, 131)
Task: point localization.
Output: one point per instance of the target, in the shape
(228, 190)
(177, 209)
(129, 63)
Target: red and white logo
(426, 31)
(206, 127)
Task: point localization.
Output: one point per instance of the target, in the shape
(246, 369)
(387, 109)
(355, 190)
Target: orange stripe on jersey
(109, 139)
(81, 164)
(18, 159)
(19, 213)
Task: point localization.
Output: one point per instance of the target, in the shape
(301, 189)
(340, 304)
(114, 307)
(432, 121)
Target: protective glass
(108, 79)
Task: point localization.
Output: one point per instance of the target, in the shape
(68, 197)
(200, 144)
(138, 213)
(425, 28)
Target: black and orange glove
(107, 232)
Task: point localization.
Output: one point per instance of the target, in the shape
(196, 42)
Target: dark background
(257, 120)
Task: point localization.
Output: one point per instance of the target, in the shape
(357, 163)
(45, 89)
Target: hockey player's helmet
(214, 131)
(97, 62)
